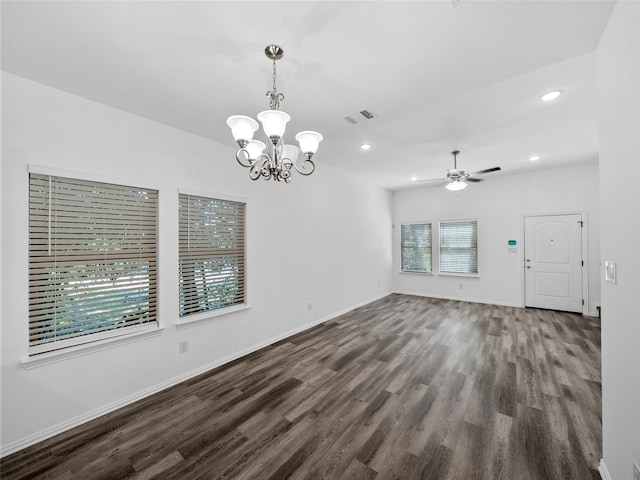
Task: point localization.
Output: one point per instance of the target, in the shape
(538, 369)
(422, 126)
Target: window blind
(459, 247)
(211, 254)
(92, 260)
(416, 247)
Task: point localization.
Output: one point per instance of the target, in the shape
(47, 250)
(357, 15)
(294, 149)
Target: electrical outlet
(636, 471)
(309, 306)
(459, 286)
(184, 346)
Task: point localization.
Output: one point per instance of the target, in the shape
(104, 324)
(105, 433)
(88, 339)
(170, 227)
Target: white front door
(553, 262)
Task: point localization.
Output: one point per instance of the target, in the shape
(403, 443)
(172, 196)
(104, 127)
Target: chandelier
(277, 159)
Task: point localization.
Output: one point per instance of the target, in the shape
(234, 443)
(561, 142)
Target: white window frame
(440, 247)
(212, 314)
(81, 344)
(402, 269)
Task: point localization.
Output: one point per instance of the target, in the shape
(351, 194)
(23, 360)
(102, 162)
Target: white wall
(618, 69)
(328, 243)
(498, 204)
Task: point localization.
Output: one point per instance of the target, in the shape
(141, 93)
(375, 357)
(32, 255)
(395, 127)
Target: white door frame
(585, 254)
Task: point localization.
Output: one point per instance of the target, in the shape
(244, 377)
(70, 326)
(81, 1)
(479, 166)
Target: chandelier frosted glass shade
(242, 127)
(456, 185)
(274, 122)
(309, 141)
(255, 149)
(291, 152)
(273, 160)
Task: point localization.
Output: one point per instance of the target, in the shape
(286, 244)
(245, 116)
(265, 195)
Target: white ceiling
(439, 75)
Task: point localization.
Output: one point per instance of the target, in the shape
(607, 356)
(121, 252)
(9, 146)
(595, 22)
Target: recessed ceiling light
(365, 146)
(552, 95)
(413, 179)
(533, 158)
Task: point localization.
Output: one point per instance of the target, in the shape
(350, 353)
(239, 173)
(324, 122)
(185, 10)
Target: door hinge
(583, 301)
(581, 223)
(582, 262)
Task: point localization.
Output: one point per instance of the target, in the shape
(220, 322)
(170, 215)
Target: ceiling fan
(456, 179)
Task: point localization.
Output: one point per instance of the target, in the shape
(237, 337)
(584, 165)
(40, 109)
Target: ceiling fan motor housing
(455, 173)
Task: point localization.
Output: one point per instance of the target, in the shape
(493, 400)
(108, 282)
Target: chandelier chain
(274, 96)
(274, 76)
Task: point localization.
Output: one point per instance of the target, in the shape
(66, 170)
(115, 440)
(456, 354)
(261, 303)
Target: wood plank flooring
(403, 388)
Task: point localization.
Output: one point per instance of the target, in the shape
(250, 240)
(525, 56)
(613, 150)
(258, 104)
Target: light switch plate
(636, 471)
(610, 272)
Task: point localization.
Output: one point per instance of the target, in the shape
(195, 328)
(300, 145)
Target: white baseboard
(96, 413)
(604, 473)
(460, 299)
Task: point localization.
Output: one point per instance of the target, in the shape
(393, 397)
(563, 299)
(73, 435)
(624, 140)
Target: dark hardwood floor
(403, 388)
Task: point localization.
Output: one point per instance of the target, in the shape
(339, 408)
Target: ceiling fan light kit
(457, 179)
(456, 185)
(278, 160)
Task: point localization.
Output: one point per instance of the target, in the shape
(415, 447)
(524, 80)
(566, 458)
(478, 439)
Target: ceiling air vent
(359, 116)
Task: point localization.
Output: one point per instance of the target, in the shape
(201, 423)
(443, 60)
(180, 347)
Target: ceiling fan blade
(432, 180)
(488, 170)
(471, 179)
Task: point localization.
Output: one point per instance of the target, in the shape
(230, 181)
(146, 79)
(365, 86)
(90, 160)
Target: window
(92, 261)
(416, 247)
(459, 247)
(212, 254)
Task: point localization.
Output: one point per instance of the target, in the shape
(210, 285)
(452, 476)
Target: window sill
(468, 275)
(47, 358)
(204, 317)
(416, 272)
